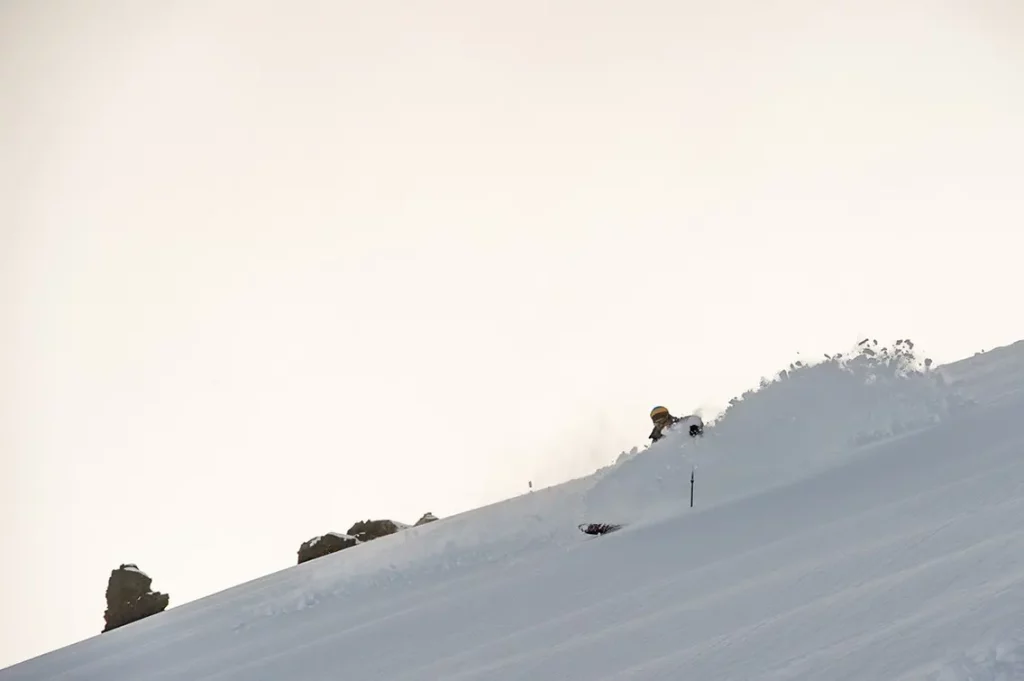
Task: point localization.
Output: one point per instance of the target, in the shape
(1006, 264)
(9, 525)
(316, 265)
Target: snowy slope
(850, 523)
(991, 376)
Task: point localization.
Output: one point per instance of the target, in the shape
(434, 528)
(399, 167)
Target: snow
(131, 567)
(993, 376)
(852, 520)
(1002, 661)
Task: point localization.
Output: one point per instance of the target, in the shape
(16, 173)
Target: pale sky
(267, 269)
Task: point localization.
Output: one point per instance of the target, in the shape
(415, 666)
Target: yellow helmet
(659, 413)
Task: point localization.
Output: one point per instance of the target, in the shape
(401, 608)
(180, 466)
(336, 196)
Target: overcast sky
(267, 269)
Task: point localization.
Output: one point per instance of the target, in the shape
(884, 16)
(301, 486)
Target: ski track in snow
(849, 524)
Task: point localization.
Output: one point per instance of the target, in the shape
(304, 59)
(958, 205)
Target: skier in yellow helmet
(663, 420)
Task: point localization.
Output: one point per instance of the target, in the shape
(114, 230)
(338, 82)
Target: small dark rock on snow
(428, 517)
(367, 530)
(324, 545)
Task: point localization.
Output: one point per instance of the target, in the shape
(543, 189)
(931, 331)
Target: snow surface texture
(853, 520)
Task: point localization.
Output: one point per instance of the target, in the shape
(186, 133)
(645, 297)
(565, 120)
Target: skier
(663, 420)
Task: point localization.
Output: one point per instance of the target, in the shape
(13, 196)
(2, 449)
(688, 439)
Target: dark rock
(428, 517)
(324, 545)
(367, 530)
(129, 597)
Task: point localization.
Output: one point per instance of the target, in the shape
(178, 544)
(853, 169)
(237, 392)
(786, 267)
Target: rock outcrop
(361, 532)
(129, 597)
(324, 545)
(428, 517)
(367, 530)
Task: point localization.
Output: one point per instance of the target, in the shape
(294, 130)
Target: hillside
(851, 521)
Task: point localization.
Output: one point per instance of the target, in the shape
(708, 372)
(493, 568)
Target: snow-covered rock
(129, 597)
(366, 530)
(324, 545)
(427, 517)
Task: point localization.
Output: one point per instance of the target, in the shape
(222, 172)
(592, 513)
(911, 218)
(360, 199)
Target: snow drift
(805, 418)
